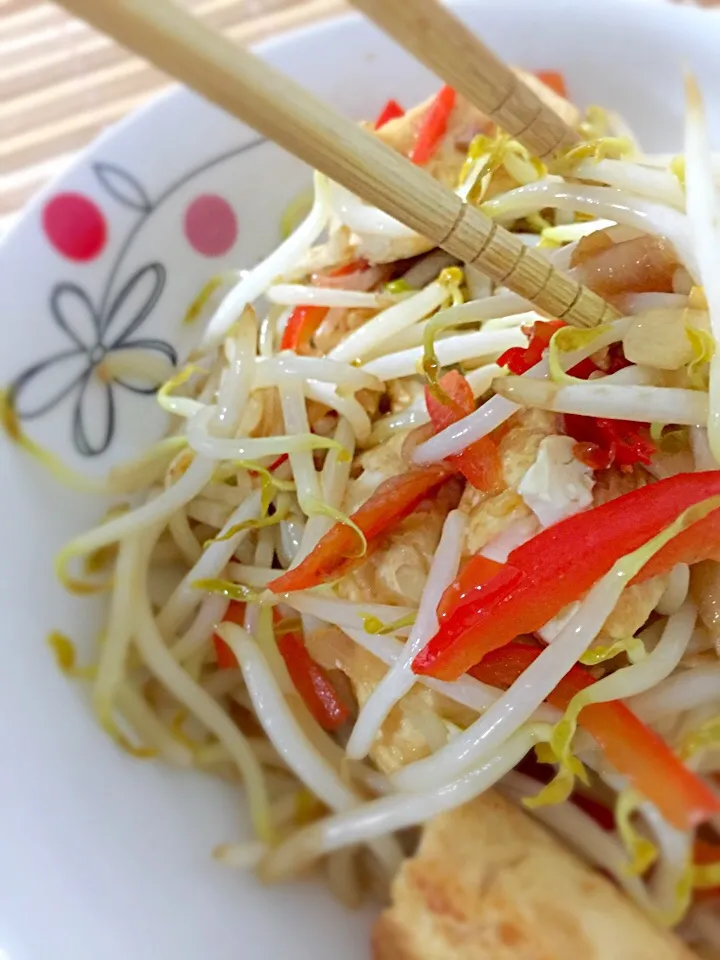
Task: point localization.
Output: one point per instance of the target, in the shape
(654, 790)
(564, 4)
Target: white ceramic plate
(102, 856)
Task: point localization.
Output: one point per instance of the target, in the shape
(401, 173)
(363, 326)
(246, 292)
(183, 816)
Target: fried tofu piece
(490, 516)
(445, 166)
(404, 392)
(520, 445)
(403, 737)
(396, 570)
(337, 325)
(635, 605)
(488, 883)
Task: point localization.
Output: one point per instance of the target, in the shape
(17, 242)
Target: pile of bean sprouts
(216, 505)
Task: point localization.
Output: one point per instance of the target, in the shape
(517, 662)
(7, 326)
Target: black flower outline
(124, 188)
(94, 335)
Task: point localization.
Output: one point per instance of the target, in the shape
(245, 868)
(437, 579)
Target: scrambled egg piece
(488, 883)
(635, 605)
(639, 600)
(396, 570)
(491, 516)
(405, 392)
(373, 466)
(420, 716)
(557, 485)
(337, 325)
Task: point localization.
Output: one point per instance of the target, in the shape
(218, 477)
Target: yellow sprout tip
(9, 418)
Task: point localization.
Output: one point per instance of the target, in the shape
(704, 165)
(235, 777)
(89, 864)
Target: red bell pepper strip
(393, 500)
(459, 403)
(278, 462)
(479, 462)
(519, 360)
(302, 324)
(477, 571)
(226, 659)
(554, 80)
(391, 111)
(355, 266)
(602, 815)
(706, 854)
(433, 126)
(312, 683)
(602, 443)
(632, 748)
(224, 656)
(699, 542)
(305, 319)
(562, 562)
(583, 369)
(621, 442)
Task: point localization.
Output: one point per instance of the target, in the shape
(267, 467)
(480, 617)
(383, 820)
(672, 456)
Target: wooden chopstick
(446, 46)
(251, 90)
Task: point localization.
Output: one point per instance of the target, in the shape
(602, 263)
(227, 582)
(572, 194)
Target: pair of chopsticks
(254, 92)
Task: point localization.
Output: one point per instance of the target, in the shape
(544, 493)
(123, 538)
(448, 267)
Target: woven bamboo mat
(61, 83)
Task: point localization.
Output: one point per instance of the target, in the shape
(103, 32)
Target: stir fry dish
(434, 578)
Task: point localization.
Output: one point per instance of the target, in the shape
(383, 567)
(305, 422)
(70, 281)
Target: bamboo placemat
(61, 83)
